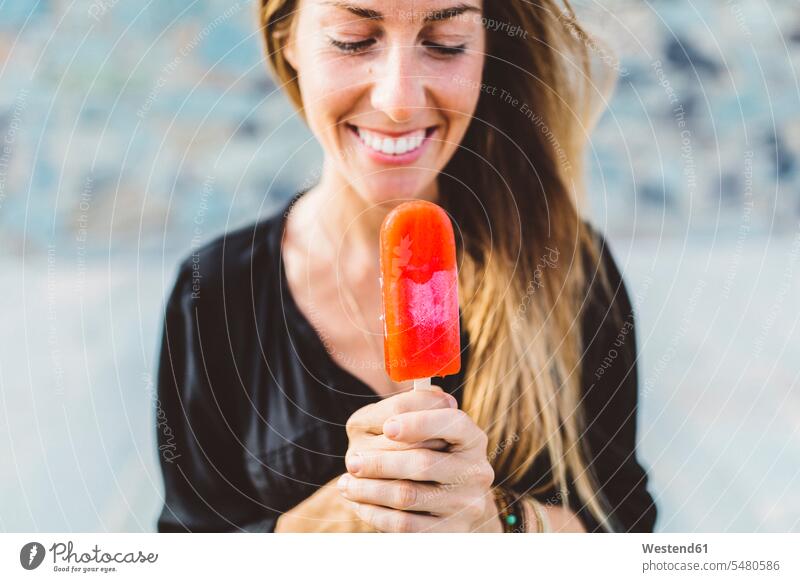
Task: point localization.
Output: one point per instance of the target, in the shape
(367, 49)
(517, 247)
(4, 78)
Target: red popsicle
(419, 284)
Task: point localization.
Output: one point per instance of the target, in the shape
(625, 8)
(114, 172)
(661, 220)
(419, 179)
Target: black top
(252, 409)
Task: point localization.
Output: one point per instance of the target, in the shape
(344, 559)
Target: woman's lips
(396, 148)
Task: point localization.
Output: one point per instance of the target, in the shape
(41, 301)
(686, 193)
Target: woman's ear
(289, 53)
(289, 47)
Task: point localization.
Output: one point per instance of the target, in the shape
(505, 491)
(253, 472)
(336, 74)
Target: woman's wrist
(491, 520)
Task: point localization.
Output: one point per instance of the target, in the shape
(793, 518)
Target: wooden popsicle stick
(422, 384)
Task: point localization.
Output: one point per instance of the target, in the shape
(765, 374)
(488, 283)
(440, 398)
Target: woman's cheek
(339, 72)
(458, 83)
(330, 93)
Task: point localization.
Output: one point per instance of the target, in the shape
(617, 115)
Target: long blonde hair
(513, 189)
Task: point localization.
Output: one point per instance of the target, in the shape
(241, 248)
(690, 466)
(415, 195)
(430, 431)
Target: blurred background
(133, 132)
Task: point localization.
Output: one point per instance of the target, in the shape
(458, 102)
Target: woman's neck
(343, 213)
(335, 207)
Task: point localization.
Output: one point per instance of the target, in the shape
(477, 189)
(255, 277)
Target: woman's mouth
(393, 148)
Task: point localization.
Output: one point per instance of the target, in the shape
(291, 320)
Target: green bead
(511, 519)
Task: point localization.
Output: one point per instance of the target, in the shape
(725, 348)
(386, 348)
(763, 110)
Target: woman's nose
(399, 88)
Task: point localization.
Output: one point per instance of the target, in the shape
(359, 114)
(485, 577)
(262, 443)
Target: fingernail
(341, 484)
(391, 429)
(451, 400)
(354, 463)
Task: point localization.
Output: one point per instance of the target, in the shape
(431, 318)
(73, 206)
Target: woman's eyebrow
(432, 16)
(451, 12)
(367, 13)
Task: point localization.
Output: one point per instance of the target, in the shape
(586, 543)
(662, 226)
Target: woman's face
(388, 87)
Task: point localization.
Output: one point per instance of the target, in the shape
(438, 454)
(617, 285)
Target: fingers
(386, 519)
(396, 521)
(371, 418)
(397, 494)
(413, 464)
(437, 500)
(379, 442)
(451, 425)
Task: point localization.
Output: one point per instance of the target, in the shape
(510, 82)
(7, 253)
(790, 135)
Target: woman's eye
(444, 49)
(362, 45)
(352, 47)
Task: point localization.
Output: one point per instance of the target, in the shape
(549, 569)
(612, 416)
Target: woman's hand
(416, 463)
(324, 511)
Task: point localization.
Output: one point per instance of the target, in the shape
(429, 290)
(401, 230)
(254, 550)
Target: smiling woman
(376, 88)
(273, 374)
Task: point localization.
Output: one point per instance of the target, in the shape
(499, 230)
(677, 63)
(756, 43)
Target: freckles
(457, 99)
(457, 80)
(335, 77)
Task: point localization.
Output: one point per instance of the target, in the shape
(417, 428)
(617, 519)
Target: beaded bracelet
(512, 511)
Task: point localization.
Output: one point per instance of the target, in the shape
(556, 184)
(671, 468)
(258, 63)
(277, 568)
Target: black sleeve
(610, 386)
(200, 446)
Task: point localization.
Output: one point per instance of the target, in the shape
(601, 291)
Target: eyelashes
(362, 46)
(352, 47)
(444, 49)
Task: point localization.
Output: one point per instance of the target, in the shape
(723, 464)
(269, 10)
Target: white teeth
(388, 146)
(392, 146)
(402, 146)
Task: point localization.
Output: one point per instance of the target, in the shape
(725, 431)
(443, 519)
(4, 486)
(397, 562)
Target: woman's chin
(388, 191)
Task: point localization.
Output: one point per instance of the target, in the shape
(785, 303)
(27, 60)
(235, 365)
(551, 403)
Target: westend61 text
(670, 549)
